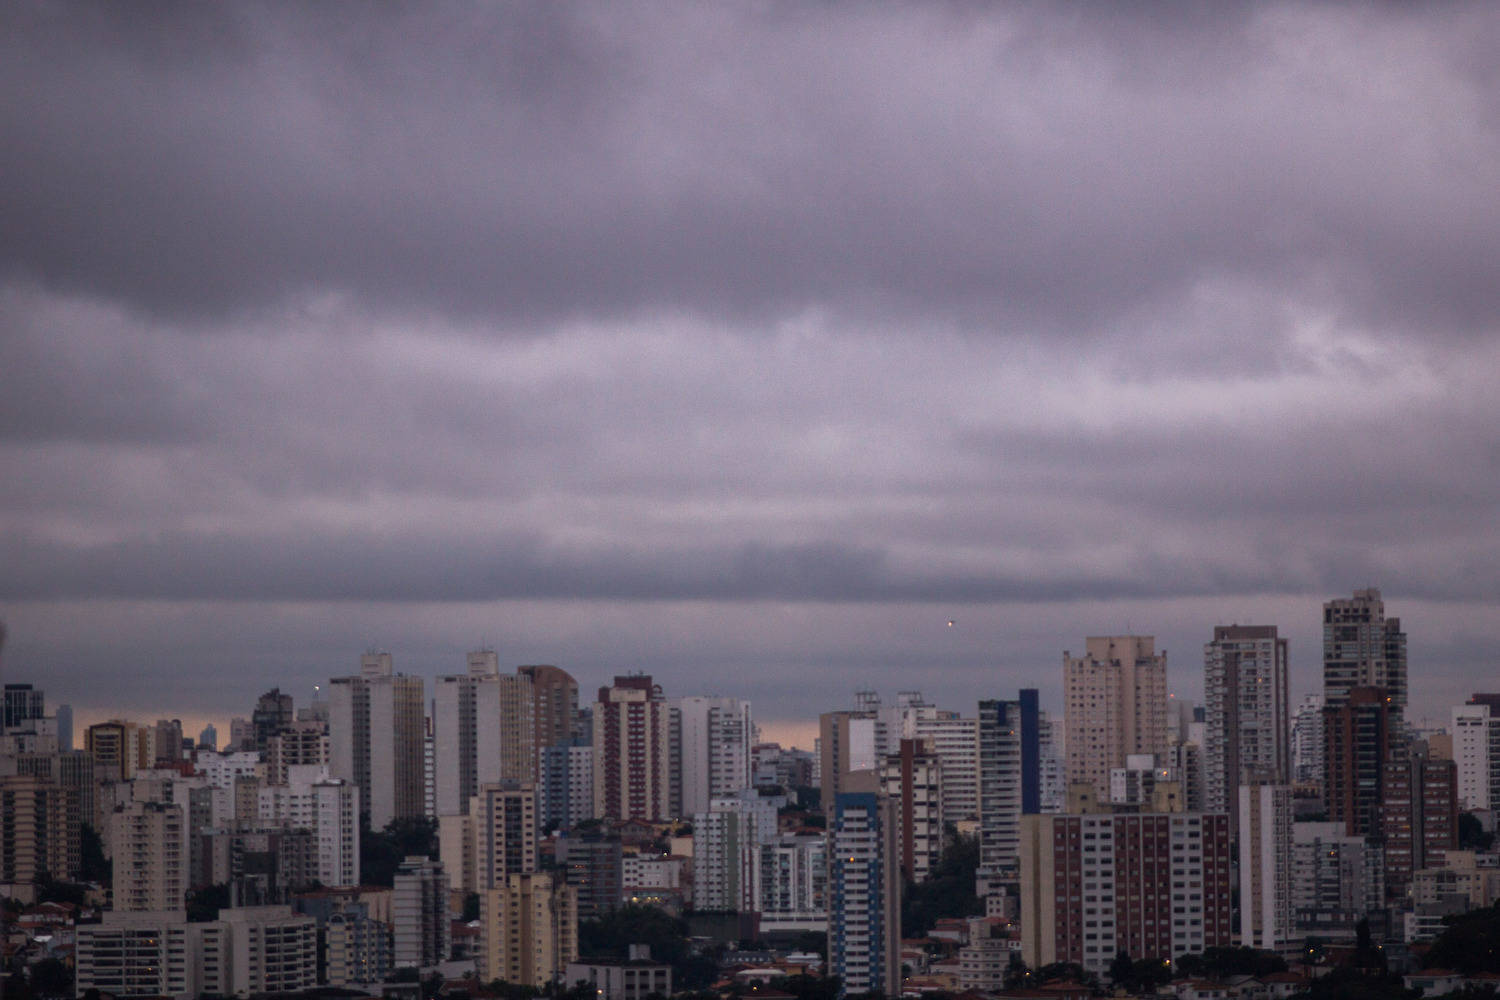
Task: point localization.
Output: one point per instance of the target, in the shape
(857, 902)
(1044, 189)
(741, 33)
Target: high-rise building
(1009, 778)
(1116, 704)
(1154, 885)
(505, 832)
(791, 882)
(1265, 856)
(1418, 818)
(530, 928)
(1362, 648)
(484, 731)
(1337, 879)
(565, 785)
(140, 954)
(116, 748)
(849, 743)
(23, 705)
(1307, 741)
(637, 752)
(419, 913)
(716, 738)
(375, 738)
(273, 712)
(1476, 752)
(310, 799)
(864, 884)
(299, 744)
(724, 840)
(555, 694)
(1358, 737)
(40, 830)
(591, 862)
(1247, 718)
(955, 742)
(271, 950)
(149, 850)
(912, 780)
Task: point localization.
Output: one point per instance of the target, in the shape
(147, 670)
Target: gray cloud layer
(605, 310)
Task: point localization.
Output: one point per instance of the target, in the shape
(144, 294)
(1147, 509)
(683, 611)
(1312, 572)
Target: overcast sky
(743, 344)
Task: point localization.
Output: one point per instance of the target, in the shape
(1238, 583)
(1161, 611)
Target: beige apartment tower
(530, 930)
(1116, 704)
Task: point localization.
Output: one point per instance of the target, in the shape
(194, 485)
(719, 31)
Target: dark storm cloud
(1017, 166)
(743, 344)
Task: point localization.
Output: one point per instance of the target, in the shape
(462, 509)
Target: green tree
(95, 866)
(947, 892)
(471, 908)
(204, 904)
(1472, 835)
(381, 853)
(51, 978)
(1470, 943)
(612, 935)
(1221, 963)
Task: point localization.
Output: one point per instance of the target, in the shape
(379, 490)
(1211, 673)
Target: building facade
(1362, 648)
(864, 885)
(637, 752)
(376, 738)
(1115, 704)
(1153, 885)
(1247, 717)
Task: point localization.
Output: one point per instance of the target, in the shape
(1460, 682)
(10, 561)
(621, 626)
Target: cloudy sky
(742, 344)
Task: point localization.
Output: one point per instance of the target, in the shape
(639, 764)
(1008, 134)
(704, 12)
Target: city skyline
(746, 347)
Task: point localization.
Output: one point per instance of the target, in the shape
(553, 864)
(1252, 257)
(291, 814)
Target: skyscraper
(1357, 735)
(1362, 648)
(555, 693)
(1265, 853)
(376, 728)
(149, 846)
(484, 731)
(716, 735)
(637, 752)
(530, 930)
(1418, 818)
(1009, 778)
(864, 885)
(1476, 751)
(912, 779)
(419, 913)
(1116, 697)
(1154, 885)
(1247, 718)
(1307, 741)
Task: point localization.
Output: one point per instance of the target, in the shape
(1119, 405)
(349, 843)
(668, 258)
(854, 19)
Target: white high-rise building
(1247, 718)
(1052, 758)
(955, 742)
(724, 842)
(483, 731)
(1116, 704)
(1001, 735)
(791, 882)
(1265, 858)
(313, 800)
(1476, 752)
(1307, 741)
(716, 741)
(376, 736)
